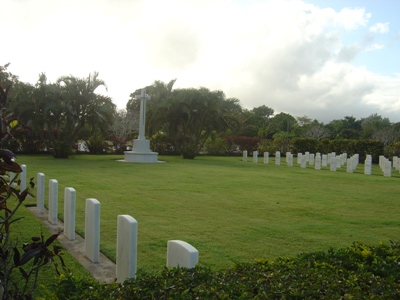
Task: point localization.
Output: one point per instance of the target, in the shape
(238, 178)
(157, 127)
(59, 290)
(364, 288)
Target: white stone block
(304, 161)
(333, 163)
(245, 155)
(289, 157)
(277, 158)
(299, 156)
(349, 166)
(53, 201)
(23, 177)
(368, 166)
(69, 212)
(182, 254)
(92, 230)
(40, 192)
(311, 160)
(126, 258)
(387, 168)
(318, 162)
(255, 156)
(324, 162)
(266, 157)
(307, 155)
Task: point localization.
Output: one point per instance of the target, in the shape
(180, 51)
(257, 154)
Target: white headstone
(324, 161)
(69, 212)
(182, 254)
(387, 168)
(349, 166)
(245, 155)
(318, 162)
(333, 163)
(299, 156)
(92, 230)
(307, 155)
(338, 161)
(266, 157)
(304, 161)
(311, 160)
(23, 177)
(255, 156)
(368, 166)
(40, 193)
(277, 158)
(53, 201)
(126, 258)
(289, 157)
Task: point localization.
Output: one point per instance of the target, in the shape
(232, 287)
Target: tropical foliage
(188, 121)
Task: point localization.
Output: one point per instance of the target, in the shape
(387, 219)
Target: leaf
(24, 274)
(51, 239)
(13, 167)
(27, 256)
(7, 156)
(16, 257)
(13, 123)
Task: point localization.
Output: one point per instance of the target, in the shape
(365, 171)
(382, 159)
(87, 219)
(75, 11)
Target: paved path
(104, 271)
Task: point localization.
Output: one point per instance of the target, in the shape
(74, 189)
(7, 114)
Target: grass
(231, 211)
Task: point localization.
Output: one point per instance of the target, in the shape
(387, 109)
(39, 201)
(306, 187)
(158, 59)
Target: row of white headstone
(179, 253)
(332, 160)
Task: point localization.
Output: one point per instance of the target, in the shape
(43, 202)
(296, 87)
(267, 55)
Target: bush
(216, 146)
(393, 150)
(303, 145)
(355, 272)
(162, 144)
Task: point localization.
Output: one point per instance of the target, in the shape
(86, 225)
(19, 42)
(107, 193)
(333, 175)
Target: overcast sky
(326, 59)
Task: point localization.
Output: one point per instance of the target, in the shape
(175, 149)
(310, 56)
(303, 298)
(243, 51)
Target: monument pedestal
(141, 152)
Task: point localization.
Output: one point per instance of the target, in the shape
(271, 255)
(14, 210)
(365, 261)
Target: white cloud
(379, 28)
(288, 55)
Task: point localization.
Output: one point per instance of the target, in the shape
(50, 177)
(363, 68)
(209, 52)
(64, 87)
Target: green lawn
(231, 211)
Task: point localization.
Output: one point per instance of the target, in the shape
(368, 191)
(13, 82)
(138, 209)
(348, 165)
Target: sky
(325, 59)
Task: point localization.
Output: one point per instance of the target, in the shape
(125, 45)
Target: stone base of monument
(141, 152)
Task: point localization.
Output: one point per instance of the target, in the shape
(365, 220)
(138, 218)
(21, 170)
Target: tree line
(53, 117)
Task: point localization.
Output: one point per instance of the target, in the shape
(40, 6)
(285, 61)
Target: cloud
(379, 28)
(289, 55)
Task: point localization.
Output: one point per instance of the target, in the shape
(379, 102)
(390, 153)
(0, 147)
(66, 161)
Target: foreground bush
(356, 272)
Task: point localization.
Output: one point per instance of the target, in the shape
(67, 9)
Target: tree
(262, 116)
(346, 128)
(122, 129)
(190, 116)
(34, 255)
(316, 131)
(59, 111)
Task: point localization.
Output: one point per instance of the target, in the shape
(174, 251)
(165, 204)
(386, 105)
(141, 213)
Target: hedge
(356, 272)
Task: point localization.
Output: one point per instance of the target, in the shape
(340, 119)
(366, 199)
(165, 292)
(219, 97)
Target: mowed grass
(231, 211)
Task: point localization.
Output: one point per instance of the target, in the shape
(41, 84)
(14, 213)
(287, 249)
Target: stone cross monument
(141, 147)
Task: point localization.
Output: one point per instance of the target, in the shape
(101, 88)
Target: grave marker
(53, 201)
(255, 156)
(40, 192)
(69, 212)
(266, 157)
(92, 230)
(182, 254)
(126, 258)
(277, 158)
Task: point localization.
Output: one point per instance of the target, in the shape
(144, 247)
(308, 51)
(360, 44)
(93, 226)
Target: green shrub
(216, 146)
(355, 272)
(393, 150)
(303, 145)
